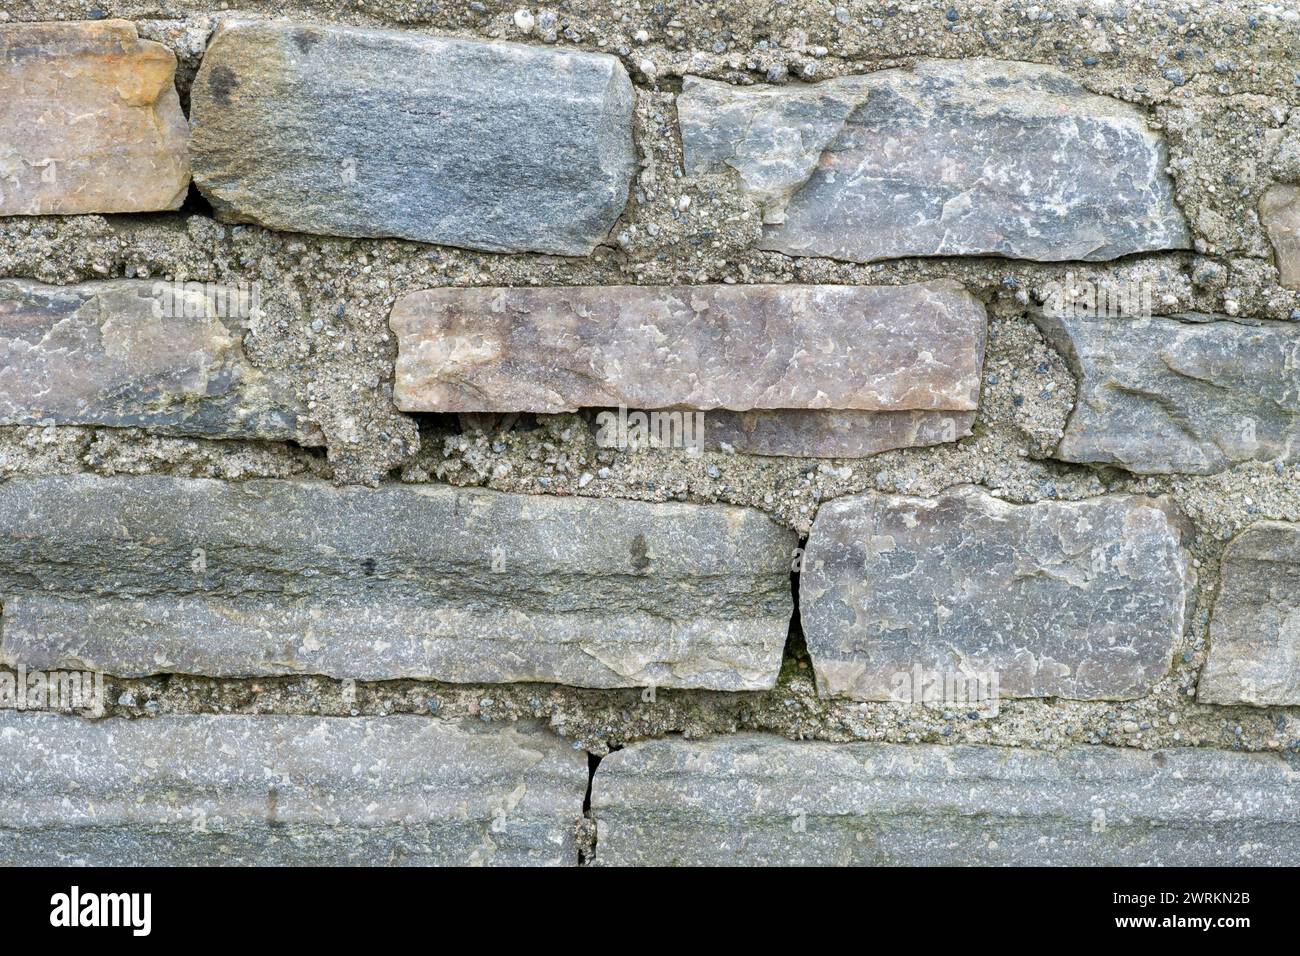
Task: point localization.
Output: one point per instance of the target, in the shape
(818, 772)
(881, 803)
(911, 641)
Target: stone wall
(629, 433)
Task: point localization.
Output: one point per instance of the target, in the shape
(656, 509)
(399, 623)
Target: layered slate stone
(907, 358)
(268, 790)
(152, 575)
(1280, 212)
(358, 132)
(1255, 627)
(133, 353)
(1186, 394)
(832, 434)
(948, 158)
(1078, 599)
(90, 121)
(755, 799)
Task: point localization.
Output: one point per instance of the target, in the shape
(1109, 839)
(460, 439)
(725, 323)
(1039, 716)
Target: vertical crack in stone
(588, 832)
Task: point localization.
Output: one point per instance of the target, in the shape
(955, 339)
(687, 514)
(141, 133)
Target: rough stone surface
(1184, 394)
(1280, 212)
(753, 799)
(150, 575)
(869, 348)
(979, 157)
(1081, 599)
(265, 790)
(90, 121)
(832, 434)
(356, 132)
(1217, 126)
(1255, 629)
(125, 353)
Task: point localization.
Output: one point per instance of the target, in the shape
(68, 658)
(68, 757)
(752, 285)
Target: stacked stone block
(539, 152)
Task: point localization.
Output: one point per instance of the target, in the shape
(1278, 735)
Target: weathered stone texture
(1255, 628)
(125, 353)
(902, 350)
(90, 121)
(358, 132)
(267, 790)
(832, 434)
(949, 158)
(1280, 213)
(753, 800)
(1179, 395)
(158, 575)
(773, 137)
(1079, 599)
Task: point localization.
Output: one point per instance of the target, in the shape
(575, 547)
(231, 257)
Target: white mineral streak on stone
(458, 585)
(753, 799)
(977, 157)
(1081, 599)
(272, 790)
(1255, 627)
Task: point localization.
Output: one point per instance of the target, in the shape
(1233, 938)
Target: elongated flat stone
(1255, 628)
(1280, 212)
(787, 432)
(1079, 599)
(267, 790)
(832, 434)
(358, 132)
(90, 121)
(949, 158)
(870, 348)
(130, 353)
(158, 575)
(1179, 395)
(754, 799)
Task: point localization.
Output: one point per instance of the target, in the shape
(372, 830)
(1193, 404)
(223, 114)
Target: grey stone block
(1078, 599)
(1255, 626)
(756, 800)
(948, 158)
(352, 131)
(830, 434)
(300, 791)
(147, 575)
(131, 353)
(1187, 394)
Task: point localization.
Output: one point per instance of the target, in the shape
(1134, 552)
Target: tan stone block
(1280, 213)
(90, 121)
